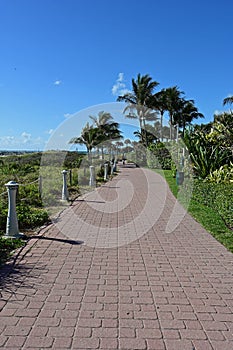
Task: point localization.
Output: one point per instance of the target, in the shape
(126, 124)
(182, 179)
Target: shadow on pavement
(61, 240)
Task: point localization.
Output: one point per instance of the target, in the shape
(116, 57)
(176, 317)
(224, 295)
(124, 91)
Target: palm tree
(90, 137)
(174, 101)
(158, 102)
(188, 111)
(146, 134)
(127, 143)
(138, 100)
(109, 129)
(228, 100)
(102, 119)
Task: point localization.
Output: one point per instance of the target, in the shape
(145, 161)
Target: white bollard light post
(12, 228)
(112, 168)
(105, 171)
(65, 194)
(92, 181)
(40, 185)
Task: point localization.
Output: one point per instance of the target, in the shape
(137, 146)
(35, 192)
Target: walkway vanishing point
(118, 271)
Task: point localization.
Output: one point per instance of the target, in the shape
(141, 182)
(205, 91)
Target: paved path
(108, 276)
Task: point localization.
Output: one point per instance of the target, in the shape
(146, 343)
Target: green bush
(218, 196)
(3, 217)
(223, 174)
(158, 156)
(7, 246)
(29, 217)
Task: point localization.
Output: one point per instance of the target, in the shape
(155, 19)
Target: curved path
(106, 275)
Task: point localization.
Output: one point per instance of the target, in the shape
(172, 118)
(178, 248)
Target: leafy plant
(7, 246)
(223, 174)
(216, 196)
(158, 156)
(205, 155)
(29, 217)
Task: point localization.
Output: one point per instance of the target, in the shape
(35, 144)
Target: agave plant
(205, 156)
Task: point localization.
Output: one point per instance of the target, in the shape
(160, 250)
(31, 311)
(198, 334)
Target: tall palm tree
(102, 119)
(137, 100)
(90, 137)
(109, 129)
(158, 102)
(174, 101)
(127, 142)
(188, 111)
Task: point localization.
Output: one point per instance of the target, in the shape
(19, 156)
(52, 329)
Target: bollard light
(12, 228)
(65, 194)
(112, 168)
(105, 171)
(92, 180)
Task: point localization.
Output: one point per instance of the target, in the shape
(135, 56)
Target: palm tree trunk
(102, 152)
(172, 135)
(161, 126)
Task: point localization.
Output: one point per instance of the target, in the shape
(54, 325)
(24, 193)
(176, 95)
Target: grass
(8, 246)
(206, 216)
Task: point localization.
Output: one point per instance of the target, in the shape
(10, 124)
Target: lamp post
(65, 194)
(12, 228)
(105, 171)
(92, 180)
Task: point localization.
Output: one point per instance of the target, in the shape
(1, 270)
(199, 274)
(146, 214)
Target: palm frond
(228, 100)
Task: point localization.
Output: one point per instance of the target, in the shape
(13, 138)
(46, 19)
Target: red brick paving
(160, 291)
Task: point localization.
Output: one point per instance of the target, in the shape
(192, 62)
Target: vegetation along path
(112, 274)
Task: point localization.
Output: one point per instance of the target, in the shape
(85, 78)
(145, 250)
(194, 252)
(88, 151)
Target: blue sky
(59, 57)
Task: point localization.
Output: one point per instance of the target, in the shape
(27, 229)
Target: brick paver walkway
(108, 276)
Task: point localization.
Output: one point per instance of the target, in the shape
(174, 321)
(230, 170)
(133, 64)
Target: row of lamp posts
(12, 228)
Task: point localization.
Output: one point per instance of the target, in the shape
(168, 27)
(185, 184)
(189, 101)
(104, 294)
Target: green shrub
(7, 246)
(29, 217)
(223, 174)
(3, 217)
(158, 156)
(218, 196)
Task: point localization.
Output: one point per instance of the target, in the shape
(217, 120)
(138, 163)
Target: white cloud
(26, 137)
(7, 140)
(21, 142)
(120, 77)
(119, 88)
(67, 115)
(57, 82)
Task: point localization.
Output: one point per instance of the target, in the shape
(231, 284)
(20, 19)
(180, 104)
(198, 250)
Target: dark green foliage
(100, 173)
(25, 170)
(61, 158)
(73, 160)
(31, 158)
(3, 216)
(206, 154)
(30, 217)
(159, 156)
(216, 196)
(7, 245)
(29, 194)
